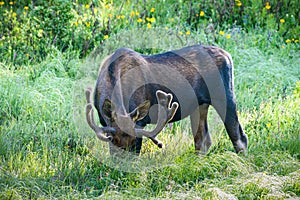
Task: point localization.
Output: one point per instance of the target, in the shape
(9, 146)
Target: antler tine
(157, 142)
(166, 112)
(88, 95)
(90, 119)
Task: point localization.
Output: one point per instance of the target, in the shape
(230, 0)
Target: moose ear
(107, 108)
(141, 111)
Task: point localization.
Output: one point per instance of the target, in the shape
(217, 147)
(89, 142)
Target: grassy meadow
(47, 150)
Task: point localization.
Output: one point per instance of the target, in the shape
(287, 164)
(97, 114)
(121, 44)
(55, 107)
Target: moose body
(134, 90)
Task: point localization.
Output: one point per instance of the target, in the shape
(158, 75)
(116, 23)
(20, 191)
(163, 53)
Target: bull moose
(134, 90)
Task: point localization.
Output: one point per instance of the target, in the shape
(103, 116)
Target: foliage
(32, 28)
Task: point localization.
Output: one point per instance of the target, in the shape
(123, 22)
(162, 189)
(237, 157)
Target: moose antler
(166, 112)
(90, 119)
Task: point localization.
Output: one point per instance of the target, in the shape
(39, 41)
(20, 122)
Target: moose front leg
(200, 131)
(137, 146)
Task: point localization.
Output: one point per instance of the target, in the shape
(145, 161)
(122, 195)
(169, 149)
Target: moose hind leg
(233, 127)
(202, 139)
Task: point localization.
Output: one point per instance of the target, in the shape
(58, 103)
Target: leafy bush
(31, 28)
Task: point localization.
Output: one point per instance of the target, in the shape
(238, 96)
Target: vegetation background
(51, 50)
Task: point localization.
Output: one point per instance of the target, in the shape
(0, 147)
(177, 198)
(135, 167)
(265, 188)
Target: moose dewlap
(133, 90)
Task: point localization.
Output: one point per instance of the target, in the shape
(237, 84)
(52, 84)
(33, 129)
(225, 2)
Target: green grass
(47, 150)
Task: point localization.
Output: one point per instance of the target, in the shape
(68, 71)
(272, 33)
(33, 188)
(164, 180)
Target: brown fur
(195, 77)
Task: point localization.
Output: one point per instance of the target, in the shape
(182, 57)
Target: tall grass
(47, 150)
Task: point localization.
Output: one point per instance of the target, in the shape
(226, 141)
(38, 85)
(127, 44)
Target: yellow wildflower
(152, 19)
(267, 5)
(288, 41)
(122, 16)
(268, 125)
(107, 6)
(221, 33)
(87, 6)
(180, 33)
(149, 25)
(283, 46)
(137, 13)
(11, 3)
(105, 37)
(188, 33)
(239, 4)
(202, 13)
(26, 8)
(282, 21)
(2, 3)
(109, 15)
(132, 13)
(76, 23)
(118, 16)
(14, 14)
(152, 10)
(228, 36)
(139, 20)
(296, 41)
(88, 24)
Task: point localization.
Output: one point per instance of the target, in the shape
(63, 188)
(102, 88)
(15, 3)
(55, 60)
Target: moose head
(122, 131)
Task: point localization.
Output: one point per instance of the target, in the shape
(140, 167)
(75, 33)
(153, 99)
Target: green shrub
(31, 29)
